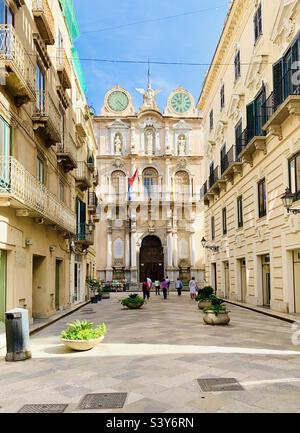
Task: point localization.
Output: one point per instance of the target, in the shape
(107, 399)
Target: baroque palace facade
(250, 104)
(47, 172)
(154, 229)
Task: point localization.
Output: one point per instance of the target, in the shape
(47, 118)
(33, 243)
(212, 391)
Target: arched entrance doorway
(151, 259)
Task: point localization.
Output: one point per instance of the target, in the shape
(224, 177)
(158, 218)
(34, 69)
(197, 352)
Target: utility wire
(155, 20)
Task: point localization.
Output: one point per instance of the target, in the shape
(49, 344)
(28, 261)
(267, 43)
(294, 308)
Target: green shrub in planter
(83, 330)
(133, 301)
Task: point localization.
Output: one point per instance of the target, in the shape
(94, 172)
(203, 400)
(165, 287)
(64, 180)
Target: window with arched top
(150, 180)
(118, 181)
(182, 184)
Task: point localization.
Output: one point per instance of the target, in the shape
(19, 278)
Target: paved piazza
(156, 355)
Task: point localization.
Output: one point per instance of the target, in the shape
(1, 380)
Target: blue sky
(189, 38)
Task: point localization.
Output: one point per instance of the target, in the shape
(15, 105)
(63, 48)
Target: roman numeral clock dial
(181, 103)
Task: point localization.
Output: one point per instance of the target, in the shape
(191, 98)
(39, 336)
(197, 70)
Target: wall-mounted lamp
(91, 226)
(288, 199)
(213, 248)
(28, 242)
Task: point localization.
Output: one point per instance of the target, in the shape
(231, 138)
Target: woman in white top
(193, 288)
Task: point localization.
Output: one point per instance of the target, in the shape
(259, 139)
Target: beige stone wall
(31, 279)
(277, 234)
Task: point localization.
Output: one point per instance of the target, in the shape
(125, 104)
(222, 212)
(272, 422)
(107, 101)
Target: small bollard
(17, 335)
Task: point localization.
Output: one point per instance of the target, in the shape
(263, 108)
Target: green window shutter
(278, 83)
(250, 121)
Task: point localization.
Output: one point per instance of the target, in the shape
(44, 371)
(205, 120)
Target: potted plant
(94, 286)
(81, 336)
(106, 293)
(133, 302)
(217, 313)
(203, 297)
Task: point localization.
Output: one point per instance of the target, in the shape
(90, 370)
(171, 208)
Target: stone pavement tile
(239, 407)
(146, 405)
(280, 405)
(208, 402)
(176, 396)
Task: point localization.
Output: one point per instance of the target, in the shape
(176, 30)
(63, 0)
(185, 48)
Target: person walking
(179, 286)
(157, 287)
(193, 288)
(146, 290)
(149, 281)
(168, 282)
(164, 286)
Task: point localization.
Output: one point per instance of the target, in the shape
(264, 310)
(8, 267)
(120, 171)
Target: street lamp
(91, 226)
(288, 199)
(213, 248)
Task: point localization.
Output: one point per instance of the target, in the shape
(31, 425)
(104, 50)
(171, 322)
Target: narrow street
(156, 355)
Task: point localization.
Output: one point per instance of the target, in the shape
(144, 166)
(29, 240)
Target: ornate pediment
(118, 124)
(236, 106)
(118, 163)
(287, 21)
(256, 72)
(182, 125)
(182, 164)
(150, 121)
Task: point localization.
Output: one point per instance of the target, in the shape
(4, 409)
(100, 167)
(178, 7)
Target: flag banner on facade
(131, 181)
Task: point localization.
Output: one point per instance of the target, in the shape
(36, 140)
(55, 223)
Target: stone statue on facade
(149, 142)
(182, 145)
(118, 145)
(149, 97)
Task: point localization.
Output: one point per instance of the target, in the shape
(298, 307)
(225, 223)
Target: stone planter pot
(134, 306)
(106, 296)
(99, 297)
(82, 345)
(204, 304)
(210, 318)
(94, 299)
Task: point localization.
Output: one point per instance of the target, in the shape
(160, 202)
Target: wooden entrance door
(151, 259)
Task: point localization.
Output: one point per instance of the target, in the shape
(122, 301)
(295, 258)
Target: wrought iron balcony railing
(67, 153)
(46, 117)
(20, 77)
(64, 68)
(83, 235)
(26, 192)
(83, 175)
(80, 123)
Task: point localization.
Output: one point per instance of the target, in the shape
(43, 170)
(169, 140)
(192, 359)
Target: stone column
(109, 269)
(192, 249)
(133, 268)
(167, 180)
(175, 249)
(127, 249)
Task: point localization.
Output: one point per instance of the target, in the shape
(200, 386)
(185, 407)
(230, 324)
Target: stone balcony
(44, 20)
(47, 118)
(80, 123)
(67, 154)
(63, 68)
(19, 74)
(83, 176)
(20, 190)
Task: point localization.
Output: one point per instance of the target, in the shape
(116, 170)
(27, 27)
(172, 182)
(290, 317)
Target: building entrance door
(297, 280)
(58, 276)
(243, 280)
(266, 280)
(151, 259)
(3, 273)
(77, 282)
(226, 279)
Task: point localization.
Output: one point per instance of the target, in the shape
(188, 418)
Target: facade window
(40, 90)
(240, 212)
(256, 116)
(182, 185)
(6, 14)
(61, 191)
(238, 137)
(211, 120)
(262, 199)
(150, 178)
(224, 220)
(258, 23)
(223, 159)
(118, 185)
(80, 219)
(213, 230)
(294, 175)
(222, 97)
(40, 166)
(237, 65)
(5, 151)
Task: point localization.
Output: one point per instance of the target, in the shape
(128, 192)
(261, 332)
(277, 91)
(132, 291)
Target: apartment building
(250, 104)
(47, 172)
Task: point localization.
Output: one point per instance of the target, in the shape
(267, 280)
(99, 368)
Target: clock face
(118, 101)
(181, 102)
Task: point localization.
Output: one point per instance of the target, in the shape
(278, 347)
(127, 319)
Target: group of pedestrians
(164, 286)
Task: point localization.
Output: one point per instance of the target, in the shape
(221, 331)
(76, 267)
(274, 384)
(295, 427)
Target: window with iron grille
(222, 97)
(211, 119)
(224, 220)
(257, 23)
(262, 198)
(213, 231)
(294, 175)
(240, 212)
(237, 65)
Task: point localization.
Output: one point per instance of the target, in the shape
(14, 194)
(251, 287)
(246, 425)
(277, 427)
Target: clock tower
(150, 167)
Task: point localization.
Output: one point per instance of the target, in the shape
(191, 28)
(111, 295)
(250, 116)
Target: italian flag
(131, 181)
